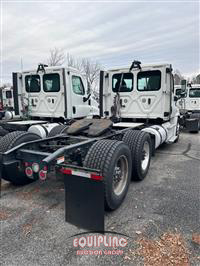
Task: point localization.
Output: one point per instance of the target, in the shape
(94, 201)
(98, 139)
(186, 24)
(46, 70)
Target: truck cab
(193, 100)
(145, 92)
(189, 98)
(6, 101)
(52, 92)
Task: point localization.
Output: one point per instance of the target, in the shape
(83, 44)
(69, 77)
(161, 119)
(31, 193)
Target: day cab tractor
(6, 101)
(48, 97)
(189, 105)
(98, 157)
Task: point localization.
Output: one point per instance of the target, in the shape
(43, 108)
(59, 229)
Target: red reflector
(96, 177)
(42, 175)
(45, 168)
(26, 164)
(66, 171)
(28, 171)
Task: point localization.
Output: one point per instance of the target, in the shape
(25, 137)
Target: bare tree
(195, 79)
(74, 62)
(91, 70)
(6, 85)
(88, 68)
(57, 57)
(177, 77)
(198, 79)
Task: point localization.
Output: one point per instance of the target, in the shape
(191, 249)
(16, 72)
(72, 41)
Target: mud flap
(192, 124)
(84, 202)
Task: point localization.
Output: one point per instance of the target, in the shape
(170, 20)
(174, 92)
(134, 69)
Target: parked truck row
(98, 151)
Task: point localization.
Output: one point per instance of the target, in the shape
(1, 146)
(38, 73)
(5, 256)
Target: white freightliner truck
(6, 100)
(99, 157)
(189, 105)
(47, 97)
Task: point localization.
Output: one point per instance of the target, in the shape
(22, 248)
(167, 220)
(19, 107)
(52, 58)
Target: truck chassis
(66, 154)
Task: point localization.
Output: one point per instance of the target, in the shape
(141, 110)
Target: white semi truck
(46, 97)
(6, 100)
(189, 105)
(98, 157)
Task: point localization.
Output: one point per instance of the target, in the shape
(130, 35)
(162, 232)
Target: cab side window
(77, 85)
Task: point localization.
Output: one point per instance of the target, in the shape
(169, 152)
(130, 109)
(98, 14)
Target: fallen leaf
(27, 228)
(196, 238)
(127, 258)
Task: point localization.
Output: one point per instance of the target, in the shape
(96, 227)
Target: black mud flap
(84, 202)
(192, 124)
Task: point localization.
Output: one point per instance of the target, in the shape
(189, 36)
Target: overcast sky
(114, 33)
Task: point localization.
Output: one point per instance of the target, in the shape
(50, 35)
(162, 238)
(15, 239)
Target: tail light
(29, 171)
(42, 175)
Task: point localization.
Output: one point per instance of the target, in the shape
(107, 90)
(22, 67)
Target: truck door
(150, 93)
(123, 84)
(112, 85)
(45, 93)
(79, 102)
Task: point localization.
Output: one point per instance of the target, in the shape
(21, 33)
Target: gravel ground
(33, 230)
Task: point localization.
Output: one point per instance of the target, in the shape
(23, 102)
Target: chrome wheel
(145, 156)
(120, 176)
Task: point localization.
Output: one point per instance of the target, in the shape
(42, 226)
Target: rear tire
(140, 145)
(10, 141)
(113, 159)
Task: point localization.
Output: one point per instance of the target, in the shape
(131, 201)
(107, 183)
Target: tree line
(90, 69)
(178, 77)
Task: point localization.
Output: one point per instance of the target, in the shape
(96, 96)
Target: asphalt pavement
(34, 231)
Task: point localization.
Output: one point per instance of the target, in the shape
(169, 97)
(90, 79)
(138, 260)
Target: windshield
(194, 93)
(126, 82)
(180, 92)
(8, 94)
(32, 83)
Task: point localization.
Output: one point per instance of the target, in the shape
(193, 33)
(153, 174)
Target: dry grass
(168, 250)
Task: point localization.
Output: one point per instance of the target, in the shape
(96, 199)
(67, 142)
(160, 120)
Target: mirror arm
(85, 99)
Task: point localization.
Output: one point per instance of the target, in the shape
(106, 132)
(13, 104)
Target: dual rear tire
(118, 162)
(140, 145)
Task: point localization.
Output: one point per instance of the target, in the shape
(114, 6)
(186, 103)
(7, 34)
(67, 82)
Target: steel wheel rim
(145, 156)
(120, 175)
